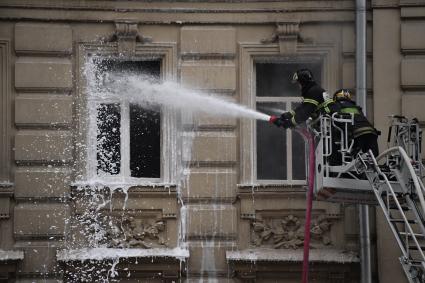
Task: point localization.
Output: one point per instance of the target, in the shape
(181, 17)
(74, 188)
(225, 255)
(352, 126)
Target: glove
(286, 115)
(280, 122)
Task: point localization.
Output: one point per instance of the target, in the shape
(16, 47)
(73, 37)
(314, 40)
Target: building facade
(219, 199)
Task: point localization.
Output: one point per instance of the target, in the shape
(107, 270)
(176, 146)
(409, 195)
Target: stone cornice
(208, 6)
(240, 12)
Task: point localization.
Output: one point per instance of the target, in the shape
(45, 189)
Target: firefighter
(364, 134)
(315, 102)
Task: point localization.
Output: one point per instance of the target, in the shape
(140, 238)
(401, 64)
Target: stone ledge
(11, 255)
(5, 185)
(109, 253)
(279, 255)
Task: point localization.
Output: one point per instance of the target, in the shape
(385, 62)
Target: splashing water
(147, 92)
(100, 227)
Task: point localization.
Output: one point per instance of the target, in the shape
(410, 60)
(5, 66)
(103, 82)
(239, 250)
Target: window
(280, 154)
(127, 143)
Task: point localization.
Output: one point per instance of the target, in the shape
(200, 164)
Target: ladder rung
(401, 220)
(410, 235)
(414, 247)
(404, 208)
(416, 263)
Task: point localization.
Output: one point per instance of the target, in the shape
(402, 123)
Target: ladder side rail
(346, 143)
(387, 217)
(403, 247)
(417, 183)
(422, 185)
(409, 166)
(390, 189)
(341, 139)
(326, 132)
(411, 203)
(418, 216)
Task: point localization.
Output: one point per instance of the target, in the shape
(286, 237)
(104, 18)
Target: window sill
(271, 187)
(142, 185)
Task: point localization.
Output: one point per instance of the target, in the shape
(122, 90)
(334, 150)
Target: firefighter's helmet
(342, 94)
(302, 76)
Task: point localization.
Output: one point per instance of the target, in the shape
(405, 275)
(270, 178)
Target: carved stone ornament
(127, 35)
(117, 230)
(288, 233)
(131, 232)
(286, 35)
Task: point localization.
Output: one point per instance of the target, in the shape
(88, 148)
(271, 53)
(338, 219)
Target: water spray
(149, 93)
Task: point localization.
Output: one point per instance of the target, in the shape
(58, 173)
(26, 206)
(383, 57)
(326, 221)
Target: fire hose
(309, 138)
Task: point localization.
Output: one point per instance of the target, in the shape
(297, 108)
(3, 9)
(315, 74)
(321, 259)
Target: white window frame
(289, 180)
(86, 170)
(251, 53)
(125, 172)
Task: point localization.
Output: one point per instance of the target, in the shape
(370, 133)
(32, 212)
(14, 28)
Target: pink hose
(311, 166)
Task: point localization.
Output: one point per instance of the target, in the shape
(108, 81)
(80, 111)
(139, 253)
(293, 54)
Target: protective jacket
(315, 102)
(361, 124)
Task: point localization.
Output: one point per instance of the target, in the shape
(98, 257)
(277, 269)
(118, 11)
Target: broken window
(128, 141)
(280, 153)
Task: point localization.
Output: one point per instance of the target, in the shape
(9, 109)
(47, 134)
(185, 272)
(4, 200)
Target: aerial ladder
(393, 180)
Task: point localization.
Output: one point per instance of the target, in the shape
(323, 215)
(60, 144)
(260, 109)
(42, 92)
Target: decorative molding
(166, 52)
(5, 115)
(6, 193)
(134, 232)
(126, 201)
(4, 207)
(207, 56)
(127, 35)
(327, 53)
(288, 232)
(130, 229)
(286, 35)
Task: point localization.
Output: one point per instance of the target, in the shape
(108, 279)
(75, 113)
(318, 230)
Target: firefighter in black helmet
(315, 102)
(364, 134)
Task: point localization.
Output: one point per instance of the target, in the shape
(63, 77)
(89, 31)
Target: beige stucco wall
(210, 49)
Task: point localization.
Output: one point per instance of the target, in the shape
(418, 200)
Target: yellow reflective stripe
(292, 112)
(363, 130)
(293, 120)
(352, 110)
(312, 101)
(326, 103)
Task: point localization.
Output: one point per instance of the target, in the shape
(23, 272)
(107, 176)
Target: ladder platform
(347, 190)
(392, 180)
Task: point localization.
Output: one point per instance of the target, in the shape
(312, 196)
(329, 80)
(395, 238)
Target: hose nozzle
(273, 119)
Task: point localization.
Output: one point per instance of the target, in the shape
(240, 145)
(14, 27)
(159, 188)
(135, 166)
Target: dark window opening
(145, 134)
(271, 146)
(274, 79)
(275, 92)
(108, 139)
(298, 154)
(144, 140)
